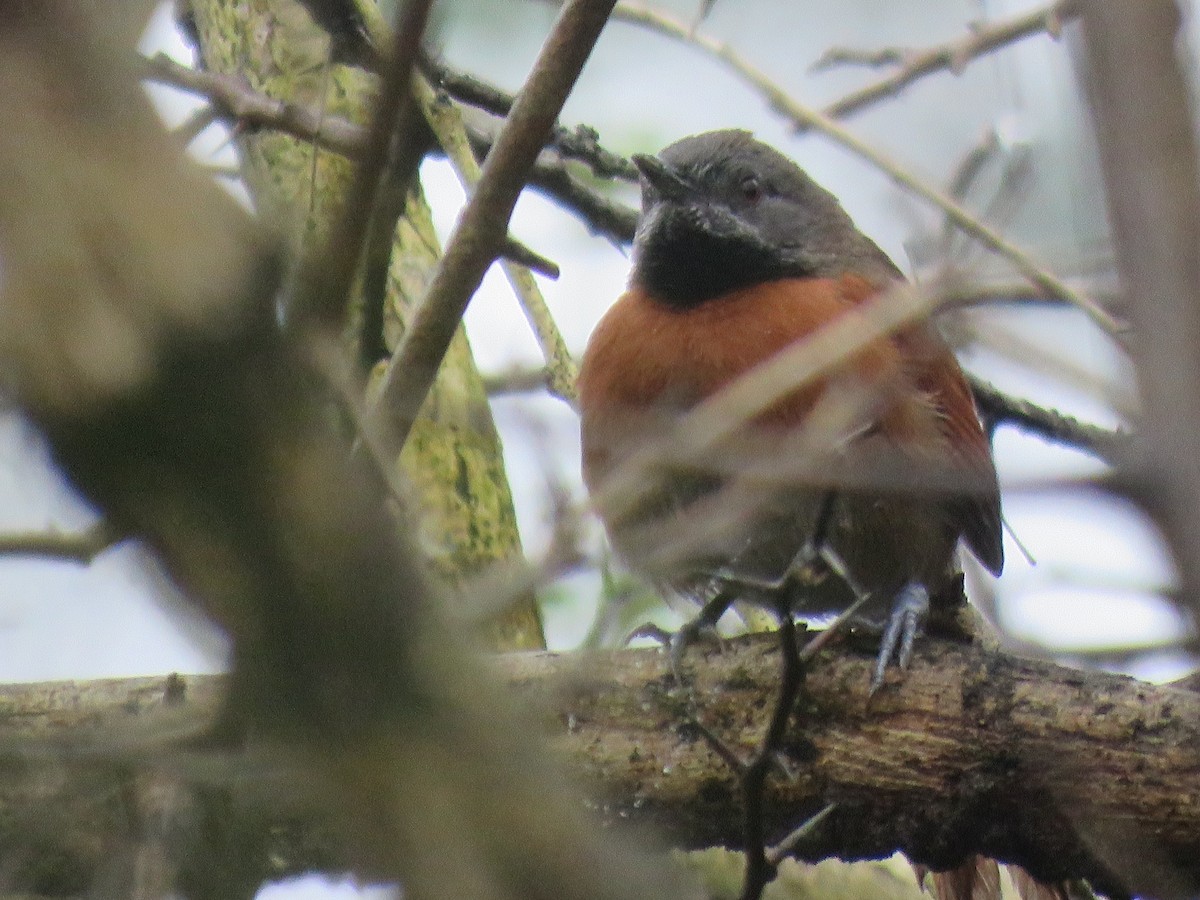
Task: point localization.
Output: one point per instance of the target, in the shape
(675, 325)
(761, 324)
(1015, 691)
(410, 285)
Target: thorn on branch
(79, 547)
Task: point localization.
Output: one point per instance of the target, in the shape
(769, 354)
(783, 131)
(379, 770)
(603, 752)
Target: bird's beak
(665, 180)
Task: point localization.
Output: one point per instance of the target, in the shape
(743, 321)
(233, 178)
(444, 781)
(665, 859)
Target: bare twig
(952, 56)
(972, 163)
(191, 128)
(759, 870)
(516, 381)
(995, 406)
(857, 56)
(391, 144)
(483, 223)
(581, 143)
(605, 216)
(234, 100)
(796, 837)
(1002, 293)
(803, 117)
(999, 408)
(445, 120)
(81, 547)
(721, 414)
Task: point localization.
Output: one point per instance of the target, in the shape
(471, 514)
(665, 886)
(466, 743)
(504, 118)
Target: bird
(880, 467)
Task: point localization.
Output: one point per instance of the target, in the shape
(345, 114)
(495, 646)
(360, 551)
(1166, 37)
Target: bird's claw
(692, 632)
(676, 643)
(909, 611)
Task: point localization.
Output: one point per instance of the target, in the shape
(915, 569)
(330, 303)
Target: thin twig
(803, 117)
(518, 380)
(825, 636)
(604, 216)
(996, 407)
(235, 101)
(759, 870)
(391, 145)
(581, 143)
(445, 120)
(195, 124)
(81, 547)
(857, 56)
(952, 56)
(784, 848)
(482, 227)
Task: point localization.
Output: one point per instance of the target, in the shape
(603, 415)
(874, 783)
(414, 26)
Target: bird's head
(722, 211)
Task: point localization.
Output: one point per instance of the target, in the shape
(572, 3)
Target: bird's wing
(936, 373)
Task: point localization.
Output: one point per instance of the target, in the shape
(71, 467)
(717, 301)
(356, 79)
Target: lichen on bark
(453, 459)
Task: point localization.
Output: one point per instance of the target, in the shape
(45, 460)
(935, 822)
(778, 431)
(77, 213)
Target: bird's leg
(909, 611)
(692, 631)
(818, 550)
(695, 628)
(800, 570)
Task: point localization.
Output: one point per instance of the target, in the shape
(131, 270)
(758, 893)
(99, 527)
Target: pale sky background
(1099, 565)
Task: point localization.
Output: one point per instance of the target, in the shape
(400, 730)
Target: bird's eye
(752, 190)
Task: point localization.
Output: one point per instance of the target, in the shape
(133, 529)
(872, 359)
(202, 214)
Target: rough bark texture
(1068, 773)
(454, 459)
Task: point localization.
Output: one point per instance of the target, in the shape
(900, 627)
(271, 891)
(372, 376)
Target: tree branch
(1144, 129)
(482, 226)
(445, 120)
(80, 547)
(952, 56)
(238, 103)
(803, 117)
(997, 408)
(392, 148)
(1067, 773)
(581, 143)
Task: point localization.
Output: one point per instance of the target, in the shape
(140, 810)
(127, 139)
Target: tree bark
(1067, 773)
(454, 460)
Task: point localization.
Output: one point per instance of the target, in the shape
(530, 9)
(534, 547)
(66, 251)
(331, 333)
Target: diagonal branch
(482, 226)
(392, 143)
(235, 101)
(444, 118)
(995, 406)
(952, 56)
(998, 408)
(581, 143)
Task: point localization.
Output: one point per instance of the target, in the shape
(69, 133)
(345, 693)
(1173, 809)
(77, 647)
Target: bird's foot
(909, 611)
(701, 628)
